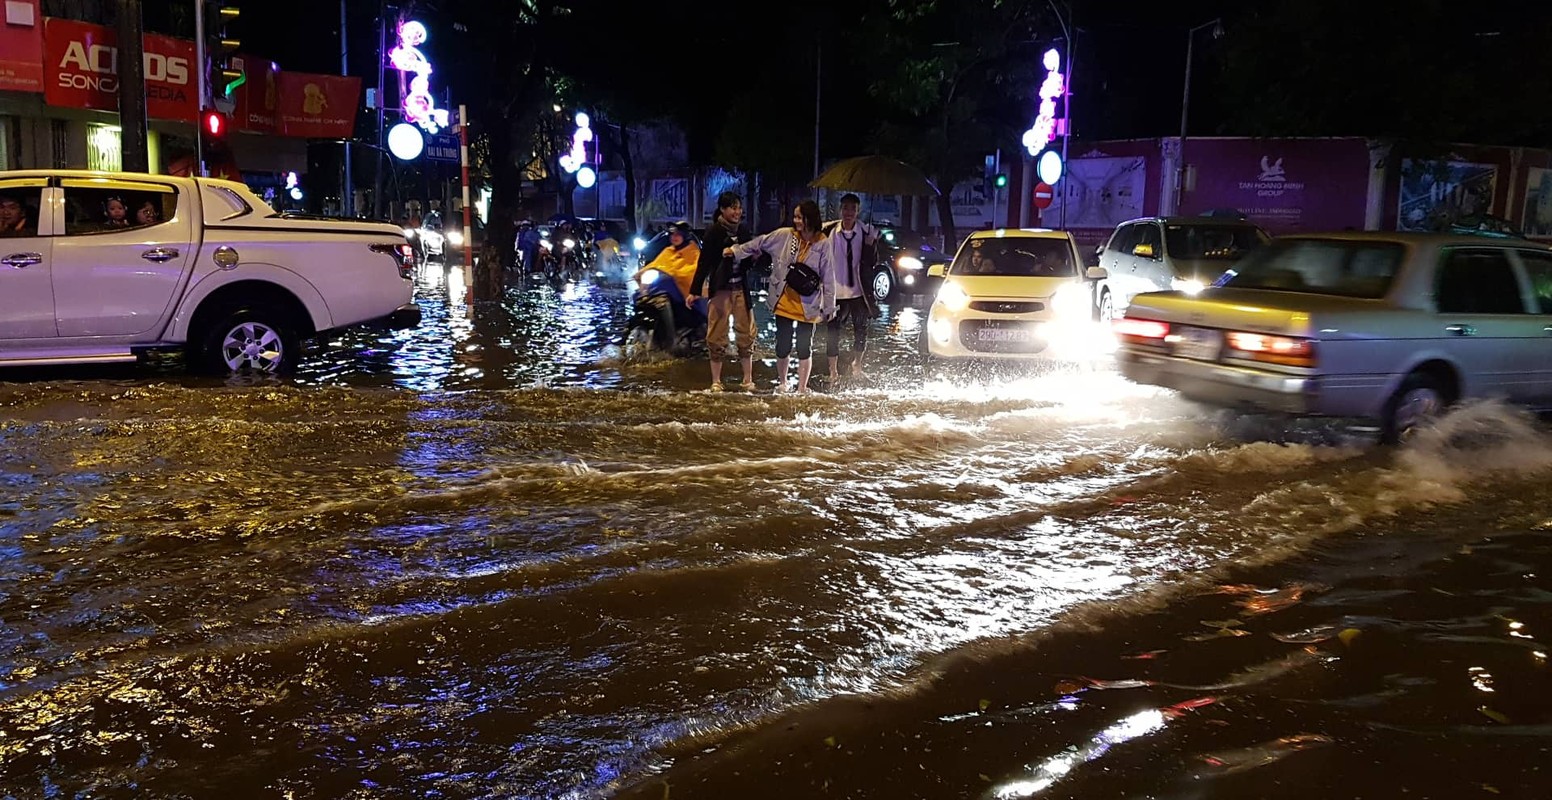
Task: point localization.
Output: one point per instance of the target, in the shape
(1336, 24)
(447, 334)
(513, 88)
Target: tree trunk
(946, 220)
(506, 190)
(630, 182)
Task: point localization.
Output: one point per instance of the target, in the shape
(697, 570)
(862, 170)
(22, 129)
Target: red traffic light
(213, 122)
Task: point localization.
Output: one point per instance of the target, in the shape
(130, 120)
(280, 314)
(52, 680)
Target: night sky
(1129, 70)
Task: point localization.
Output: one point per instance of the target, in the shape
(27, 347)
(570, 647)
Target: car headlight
(650, 276)
(909, 262)
(545, 243)
(1190, 286)
(569, 243)
(455, 239)
(952, 297)
(1071, 301)
(640, 243)
(408, 232)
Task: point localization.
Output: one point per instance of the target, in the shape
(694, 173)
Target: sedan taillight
(1140, 331)
(404, 254)
(1287, 350)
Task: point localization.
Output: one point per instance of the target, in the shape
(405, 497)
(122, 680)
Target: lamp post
(1067, 31)
(1185, 105)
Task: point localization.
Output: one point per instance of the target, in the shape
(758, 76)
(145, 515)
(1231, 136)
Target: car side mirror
(937, 271)
(1143, 250)
(1097, 273)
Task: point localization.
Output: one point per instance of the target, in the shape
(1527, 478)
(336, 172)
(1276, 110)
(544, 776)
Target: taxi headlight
(1071, 301)
(952, 297)
(1189, 286)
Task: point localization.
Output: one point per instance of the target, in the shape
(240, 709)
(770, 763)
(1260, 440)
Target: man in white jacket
(852, 248)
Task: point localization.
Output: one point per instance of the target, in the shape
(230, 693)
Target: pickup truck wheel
(1419, 399)
(251, 340)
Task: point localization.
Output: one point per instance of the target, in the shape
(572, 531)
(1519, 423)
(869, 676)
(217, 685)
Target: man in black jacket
(725, 284)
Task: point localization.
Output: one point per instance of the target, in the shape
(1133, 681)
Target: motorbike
(660, 321)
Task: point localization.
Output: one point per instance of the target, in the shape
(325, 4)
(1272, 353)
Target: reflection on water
(440, 562)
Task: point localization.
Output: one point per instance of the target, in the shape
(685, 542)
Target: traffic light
(213, 125)
(1001, 181)
(226, 72)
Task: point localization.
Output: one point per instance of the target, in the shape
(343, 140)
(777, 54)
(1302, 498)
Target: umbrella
(876, 175)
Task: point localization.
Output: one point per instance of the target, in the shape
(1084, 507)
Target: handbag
(802, 278)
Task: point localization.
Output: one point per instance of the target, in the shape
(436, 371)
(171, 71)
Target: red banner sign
(258, 99)
(82, 70)
(318, 106)
(21, 46)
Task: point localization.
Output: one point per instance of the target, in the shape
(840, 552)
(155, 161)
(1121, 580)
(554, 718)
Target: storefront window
(103, 148)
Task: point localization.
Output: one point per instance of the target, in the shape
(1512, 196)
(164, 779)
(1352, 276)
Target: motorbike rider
(678, 260)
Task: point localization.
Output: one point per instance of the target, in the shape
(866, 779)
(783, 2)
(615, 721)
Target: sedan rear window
(1320, 266)
(1021, 256)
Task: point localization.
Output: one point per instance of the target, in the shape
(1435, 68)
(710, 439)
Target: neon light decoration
(1045, 124)
(416, 102)
(577, 158)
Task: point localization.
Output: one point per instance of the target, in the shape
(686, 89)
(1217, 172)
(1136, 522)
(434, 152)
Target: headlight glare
(1189, 286)
(909, 262)
(952, 297)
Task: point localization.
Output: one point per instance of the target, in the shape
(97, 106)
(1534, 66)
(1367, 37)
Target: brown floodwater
(491, 558)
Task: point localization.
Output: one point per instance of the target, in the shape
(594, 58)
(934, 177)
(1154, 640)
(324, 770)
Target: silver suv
(1157, 254)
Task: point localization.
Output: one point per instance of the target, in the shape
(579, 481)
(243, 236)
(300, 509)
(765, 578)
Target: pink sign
(1283, 185)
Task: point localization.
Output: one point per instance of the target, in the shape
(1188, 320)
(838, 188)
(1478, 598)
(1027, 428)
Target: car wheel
(259, 340)
(1420, 399)
(1105, 311)
(883, 285)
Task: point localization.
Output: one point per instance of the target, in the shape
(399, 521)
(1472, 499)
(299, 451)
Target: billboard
(1434, 192)
(82, 70)
(21, 47)
(1283, 185)
(318, 106)
(1099, 193)
(1538, 203)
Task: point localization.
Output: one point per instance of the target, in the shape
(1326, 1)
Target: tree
(948, 72)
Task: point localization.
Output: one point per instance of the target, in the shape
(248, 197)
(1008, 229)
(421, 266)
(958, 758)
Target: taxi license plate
(1004, 334)
(1202, 344)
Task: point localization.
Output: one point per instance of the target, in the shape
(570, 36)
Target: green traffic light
(1002, 181)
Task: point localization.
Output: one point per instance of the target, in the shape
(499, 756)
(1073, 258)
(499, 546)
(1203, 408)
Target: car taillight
(1140, 331)
(1288, 350)
(404, 254)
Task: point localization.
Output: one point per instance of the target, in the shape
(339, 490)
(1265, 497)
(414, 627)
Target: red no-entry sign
(1043, 195)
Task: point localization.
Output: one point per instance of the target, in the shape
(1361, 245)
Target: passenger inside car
(14, 220)
(116, 212)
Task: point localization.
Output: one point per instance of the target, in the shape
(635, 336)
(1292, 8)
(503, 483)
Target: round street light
(586, 177)
(1049, 168)
(405, 141)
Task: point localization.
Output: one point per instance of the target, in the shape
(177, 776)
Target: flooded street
(488, 558)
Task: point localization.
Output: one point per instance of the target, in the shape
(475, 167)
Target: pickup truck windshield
(1347, 268)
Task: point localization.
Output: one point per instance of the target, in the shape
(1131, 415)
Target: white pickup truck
(99, 267)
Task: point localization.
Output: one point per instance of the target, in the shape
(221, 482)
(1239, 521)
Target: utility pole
(135, 155)
(201, 75)
(348, 200)
(818, 87)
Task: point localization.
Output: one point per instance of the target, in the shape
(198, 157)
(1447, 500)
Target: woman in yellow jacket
(678, 259)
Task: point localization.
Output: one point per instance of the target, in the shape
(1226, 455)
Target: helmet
(682, 227)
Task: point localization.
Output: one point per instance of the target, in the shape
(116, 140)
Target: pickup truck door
(1537, 265)
(125, 247)
(26, 250)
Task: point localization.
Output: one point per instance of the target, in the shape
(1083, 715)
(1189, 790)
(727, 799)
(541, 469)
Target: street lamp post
(1067, 31)
(1185, 106)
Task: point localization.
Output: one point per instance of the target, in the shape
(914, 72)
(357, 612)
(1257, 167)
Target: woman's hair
(810, 211)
